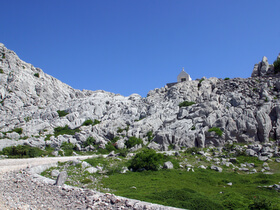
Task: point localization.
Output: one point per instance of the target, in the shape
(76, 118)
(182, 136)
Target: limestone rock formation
(238, 110)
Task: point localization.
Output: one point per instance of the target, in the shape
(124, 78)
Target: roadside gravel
(21, 188)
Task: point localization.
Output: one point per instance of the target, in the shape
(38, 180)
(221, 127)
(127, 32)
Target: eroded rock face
(245, 110)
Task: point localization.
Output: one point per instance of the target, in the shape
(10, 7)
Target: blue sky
(133, 46)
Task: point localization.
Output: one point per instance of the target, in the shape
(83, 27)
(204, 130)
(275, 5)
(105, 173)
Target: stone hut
(183, 76)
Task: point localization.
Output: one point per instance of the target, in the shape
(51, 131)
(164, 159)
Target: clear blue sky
(133, 46)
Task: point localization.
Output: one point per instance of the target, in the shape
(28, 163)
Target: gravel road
(7, 165)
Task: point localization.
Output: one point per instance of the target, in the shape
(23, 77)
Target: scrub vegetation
(186, 103)
(142, 177)
(25, 151)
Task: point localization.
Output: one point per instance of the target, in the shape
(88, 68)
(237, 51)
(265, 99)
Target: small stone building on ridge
(182, 77)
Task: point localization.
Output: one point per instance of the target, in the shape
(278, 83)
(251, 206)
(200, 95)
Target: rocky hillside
(216, 111)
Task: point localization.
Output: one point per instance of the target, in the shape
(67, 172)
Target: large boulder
(61, 178)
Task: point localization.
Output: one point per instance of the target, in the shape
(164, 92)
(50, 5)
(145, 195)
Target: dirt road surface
(7, 165)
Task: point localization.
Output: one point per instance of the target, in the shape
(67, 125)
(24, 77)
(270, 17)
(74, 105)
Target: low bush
(90, 122)
(190, 150)
(123, 152)
(147, 159)
(150, 135)
(23, 151)
(109, 147)
(227, 78)
(115, 139)
(65, 130)
(90, 141)
(67, 148)
(37, 75)
(48, 137)
(17, 130)
(201, 80)
(132, 141)
(199, 83)
(120, 130)
(62, 113)
(186, 103)
(1, 71)
(27, 119)
(218, 131)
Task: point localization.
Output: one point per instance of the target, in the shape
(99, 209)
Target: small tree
(132, 141)
(147, 159)
(277, 65)
(218, 131)
(90, 141)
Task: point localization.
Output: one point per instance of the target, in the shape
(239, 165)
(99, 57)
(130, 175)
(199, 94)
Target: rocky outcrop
(263, 68)
(243, 110)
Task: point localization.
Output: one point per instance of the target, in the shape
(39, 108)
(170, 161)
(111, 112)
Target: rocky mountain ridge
(221, 111)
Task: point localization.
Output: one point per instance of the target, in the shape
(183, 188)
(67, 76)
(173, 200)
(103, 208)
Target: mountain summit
(205, 112)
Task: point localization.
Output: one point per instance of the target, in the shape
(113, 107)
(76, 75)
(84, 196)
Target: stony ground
(21, 189)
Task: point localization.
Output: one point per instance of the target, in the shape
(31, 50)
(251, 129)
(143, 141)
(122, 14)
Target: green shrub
(277, 65)
(49, 149)
(17, 130)
(115, 139)
(90, 141)
(37, 75)
(120, 130)
(171, 147)
(62, 113)
(1, 71)
(147, 159)
(3, 55)
(132, 141)
(22, 151)
(123, 152)
(190, 150)
(67, 148)
(186, 103)
(90, 122)
(201, 80)
(228, 147)
(27, 119)
(227, 78)
(218, 131)
(65, 130)
(109, 147)
(48, 136)
(260, 203)
(150, 135)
